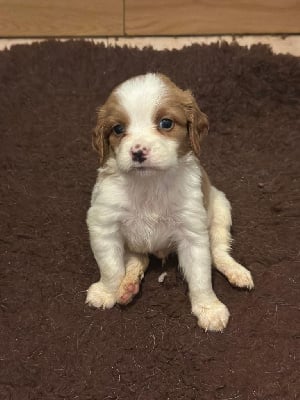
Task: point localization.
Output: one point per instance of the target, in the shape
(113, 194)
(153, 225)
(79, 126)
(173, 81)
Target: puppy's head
(148, 124)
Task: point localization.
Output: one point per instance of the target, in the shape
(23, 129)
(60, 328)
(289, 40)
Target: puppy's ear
(197, 122)
(100, 138)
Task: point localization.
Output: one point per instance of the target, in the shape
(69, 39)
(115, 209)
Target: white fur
(220, 241)
(159, 209)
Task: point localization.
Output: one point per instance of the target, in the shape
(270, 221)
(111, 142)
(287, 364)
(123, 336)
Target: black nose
(138, 156)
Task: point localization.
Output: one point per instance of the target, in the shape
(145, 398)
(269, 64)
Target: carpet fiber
(52, 346)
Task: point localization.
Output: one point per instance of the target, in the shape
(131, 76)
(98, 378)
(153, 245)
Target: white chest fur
(153, 211)
(149, 221)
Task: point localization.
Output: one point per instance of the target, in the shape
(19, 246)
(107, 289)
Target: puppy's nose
(139, 154)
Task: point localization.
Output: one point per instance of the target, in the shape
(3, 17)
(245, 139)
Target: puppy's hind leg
(219, 212)
(135, 266)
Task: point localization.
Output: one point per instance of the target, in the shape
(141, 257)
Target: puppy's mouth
(144, 170)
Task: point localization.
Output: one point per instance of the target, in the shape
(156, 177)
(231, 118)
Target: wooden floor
(183, 17)
(64, 18)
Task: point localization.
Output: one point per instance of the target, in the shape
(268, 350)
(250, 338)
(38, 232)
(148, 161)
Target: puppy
(153, 196)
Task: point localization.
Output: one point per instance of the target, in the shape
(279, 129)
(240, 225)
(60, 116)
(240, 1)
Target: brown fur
(205, 186)
(109, 115)
(179, 132)
(197, 121)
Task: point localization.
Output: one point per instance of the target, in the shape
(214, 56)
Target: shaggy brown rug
(52, 346)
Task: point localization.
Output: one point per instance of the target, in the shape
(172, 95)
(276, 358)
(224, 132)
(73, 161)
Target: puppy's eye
(118, 129)
(166, 124)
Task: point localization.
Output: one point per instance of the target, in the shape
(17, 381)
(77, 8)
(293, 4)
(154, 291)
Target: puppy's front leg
(108, 249)
(195, 261)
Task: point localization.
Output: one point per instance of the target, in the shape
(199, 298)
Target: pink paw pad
(129, 292)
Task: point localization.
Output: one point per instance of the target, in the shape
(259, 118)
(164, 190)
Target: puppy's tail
(219, 211)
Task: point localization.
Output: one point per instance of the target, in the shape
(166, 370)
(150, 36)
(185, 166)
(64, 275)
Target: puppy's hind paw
(212, 317)
(98, 296)
(126, 293)
(241, 278)
(130, 284)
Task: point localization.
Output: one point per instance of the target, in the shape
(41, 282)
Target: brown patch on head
(109, 115)
(182, 102)
(197, 123)
(171, 110)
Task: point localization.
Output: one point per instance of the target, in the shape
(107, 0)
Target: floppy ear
(197, 122)
(99, 138)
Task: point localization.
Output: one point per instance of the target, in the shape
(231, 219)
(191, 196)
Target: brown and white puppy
(152, 196)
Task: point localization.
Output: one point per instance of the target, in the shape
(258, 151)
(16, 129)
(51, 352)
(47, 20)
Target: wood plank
(200, 17)
(31, 18)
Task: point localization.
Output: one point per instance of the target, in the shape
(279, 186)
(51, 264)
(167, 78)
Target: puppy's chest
(149, 226)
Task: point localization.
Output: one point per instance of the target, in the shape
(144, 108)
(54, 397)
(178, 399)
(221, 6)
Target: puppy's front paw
(211, 316)
(98, 296)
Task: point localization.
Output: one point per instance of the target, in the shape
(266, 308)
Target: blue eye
(118, 129)
(166, 124)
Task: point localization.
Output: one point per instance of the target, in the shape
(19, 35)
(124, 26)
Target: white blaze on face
(141, 97)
